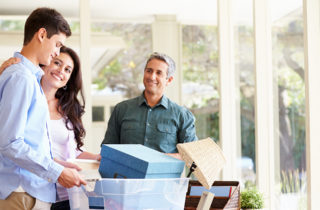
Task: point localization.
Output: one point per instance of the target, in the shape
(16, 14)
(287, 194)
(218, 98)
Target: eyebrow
(155, 69)
(63, 62)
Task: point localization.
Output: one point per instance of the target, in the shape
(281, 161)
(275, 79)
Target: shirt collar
(36, 70)
(163, 102)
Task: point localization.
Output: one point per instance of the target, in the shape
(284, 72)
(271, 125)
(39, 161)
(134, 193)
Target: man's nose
(153, 75)
(57, 52)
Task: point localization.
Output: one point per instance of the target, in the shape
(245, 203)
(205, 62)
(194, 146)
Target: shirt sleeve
(187, 130)
(16, 98)
(112, 135)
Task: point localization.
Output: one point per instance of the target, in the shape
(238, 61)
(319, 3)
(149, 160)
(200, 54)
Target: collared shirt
(160, 127)
(25, 155)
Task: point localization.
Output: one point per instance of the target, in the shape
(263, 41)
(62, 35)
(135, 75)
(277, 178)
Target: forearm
(8, 63)
(25, 157)
(175, 155)
(89, 155)
(67, 164)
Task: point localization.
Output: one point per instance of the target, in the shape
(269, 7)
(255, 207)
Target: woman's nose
(60, 69)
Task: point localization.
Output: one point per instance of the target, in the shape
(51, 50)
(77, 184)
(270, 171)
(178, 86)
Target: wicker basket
(218, 203)
(208, 158)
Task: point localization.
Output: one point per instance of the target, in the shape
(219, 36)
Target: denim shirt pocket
(166, 128)
(166, 135)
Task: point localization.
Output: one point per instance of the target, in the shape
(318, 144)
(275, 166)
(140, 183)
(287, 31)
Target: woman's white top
(63, 146)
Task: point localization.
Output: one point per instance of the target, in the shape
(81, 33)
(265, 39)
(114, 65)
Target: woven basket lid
(208, 158)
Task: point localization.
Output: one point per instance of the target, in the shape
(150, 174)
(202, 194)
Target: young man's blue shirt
(25, 154)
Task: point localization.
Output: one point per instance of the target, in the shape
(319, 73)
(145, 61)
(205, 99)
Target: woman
(61, 83)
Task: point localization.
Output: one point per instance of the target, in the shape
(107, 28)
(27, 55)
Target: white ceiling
(187, 11)
(141, 10)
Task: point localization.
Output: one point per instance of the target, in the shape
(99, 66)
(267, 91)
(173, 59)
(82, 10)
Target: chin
(45, 63)
(152, 92)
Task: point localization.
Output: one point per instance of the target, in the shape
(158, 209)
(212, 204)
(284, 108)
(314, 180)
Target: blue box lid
(141, 158)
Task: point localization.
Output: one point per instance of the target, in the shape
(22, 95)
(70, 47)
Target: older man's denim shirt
(25, 155)
(160, 127)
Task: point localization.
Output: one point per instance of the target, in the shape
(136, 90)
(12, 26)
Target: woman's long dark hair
(69, 105)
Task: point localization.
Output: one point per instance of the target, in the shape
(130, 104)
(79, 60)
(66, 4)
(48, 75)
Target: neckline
(57, 119)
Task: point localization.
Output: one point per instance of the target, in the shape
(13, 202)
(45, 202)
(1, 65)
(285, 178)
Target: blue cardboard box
(137, 161)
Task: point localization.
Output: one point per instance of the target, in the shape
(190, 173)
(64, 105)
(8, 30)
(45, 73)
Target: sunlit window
(288, 63)
(200, 78)
(244, 66)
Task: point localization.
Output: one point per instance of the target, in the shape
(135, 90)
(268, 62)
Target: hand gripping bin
(137, 161)
(133, 194)
(78, 199)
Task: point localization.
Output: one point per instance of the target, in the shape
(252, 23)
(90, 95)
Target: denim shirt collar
(163, 102)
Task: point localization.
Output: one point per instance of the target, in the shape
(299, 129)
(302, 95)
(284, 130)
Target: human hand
(70, 178)
(175, 155)
(89, 155)
(68, 164)
(98, 157)
(8, 63)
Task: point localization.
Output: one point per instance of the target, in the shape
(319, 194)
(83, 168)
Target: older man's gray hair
(168, 60)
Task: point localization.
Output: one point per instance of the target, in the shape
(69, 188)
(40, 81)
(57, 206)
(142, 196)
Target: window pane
(288, 63)
(244, 65)
(117, 65)
(123, 69)
(97, 114)
(201, 78)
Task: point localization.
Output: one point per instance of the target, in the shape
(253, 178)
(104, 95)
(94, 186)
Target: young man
(27, 171)
(152, 119)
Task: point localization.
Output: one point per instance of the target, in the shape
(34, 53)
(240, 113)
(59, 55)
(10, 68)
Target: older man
(152, 119)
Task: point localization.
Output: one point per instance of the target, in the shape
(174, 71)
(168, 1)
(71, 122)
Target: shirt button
(148, 124)
(146, 139)
(150, 110)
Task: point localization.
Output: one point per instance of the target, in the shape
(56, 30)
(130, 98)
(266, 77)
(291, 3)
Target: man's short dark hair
(47, 18)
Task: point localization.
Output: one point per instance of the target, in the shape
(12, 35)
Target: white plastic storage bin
(133, 194)
(142, 194)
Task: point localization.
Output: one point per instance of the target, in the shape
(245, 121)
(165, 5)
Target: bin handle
(116, 175)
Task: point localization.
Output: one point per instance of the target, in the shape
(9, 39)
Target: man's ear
(169, 80)
(41, 34)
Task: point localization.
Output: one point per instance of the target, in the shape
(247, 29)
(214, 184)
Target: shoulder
(177, 107)
(182, 111)
(17, 79)
(18, 72)
(129, 103)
